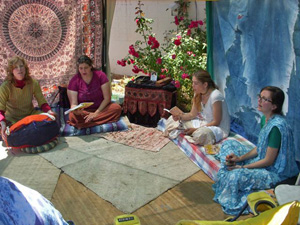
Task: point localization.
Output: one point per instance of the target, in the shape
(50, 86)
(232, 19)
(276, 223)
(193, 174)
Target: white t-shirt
(221, 131)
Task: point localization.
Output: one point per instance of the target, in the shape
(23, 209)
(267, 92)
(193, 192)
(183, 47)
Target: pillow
(68, 130)
(33, 131)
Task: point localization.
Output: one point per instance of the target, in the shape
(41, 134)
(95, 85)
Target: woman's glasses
(263, 99)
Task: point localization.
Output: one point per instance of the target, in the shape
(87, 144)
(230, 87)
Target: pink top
(91, 92)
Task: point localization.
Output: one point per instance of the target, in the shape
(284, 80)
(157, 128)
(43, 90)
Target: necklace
(205, 92)
(205, 96)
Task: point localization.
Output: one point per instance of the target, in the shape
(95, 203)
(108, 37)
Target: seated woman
(272, 161)
(209, 108)
(16, 95)
(90, 85)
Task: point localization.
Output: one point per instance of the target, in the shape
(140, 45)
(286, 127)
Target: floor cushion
(33, 131)
(68, 130)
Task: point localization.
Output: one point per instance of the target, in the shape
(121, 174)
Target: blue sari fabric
(232, 187)
(21, 205)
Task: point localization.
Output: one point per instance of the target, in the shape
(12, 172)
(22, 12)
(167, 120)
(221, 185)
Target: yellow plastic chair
(286, 214)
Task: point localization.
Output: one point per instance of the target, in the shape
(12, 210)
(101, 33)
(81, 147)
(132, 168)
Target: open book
(174, 111)
(80, 106)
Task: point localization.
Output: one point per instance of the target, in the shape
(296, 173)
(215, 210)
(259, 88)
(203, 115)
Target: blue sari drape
(233, 187)
(256, 44)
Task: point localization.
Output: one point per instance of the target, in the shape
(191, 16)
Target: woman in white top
(208, 121)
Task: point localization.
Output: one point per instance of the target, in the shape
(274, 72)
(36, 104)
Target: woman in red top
(90, 85)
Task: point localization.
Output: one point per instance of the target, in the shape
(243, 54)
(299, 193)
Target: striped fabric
(196, 153)
(39, 149)
(68, 130)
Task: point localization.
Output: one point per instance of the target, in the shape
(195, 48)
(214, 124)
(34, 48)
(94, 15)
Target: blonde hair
(12, 62)
(202, 76)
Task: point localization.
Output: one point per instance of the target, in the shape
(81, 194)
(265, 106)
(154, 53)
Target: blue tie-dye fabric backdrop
(256, 43)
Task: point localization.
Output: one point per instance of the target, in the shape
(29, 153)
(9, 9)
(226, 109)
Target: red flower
(162, 76)
(188, 33)
(122, 62)
(155, 45)
(177, 42)
(133, 52)
(136, 69)
(158, 61)
(176, 20)
(185, 76)
(177, 84)
(194, 24)
(164, 70)
(173, 56)
(153, 42)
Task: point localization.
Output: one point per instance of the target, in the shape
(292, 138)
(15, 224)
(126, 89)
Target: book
(175, 111)
(80, 106)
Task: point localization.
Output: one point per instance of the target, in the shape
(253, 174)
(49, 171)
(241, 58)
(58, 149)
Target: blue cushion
(68, 130)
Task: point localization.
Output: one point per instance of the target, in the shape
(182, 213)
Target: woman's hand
(52, 113)
(234, 167)
(189, 131)
(176, 113)
(3, 131)
(78, 111)
(90, 117)
(176, 117)
(232, 158)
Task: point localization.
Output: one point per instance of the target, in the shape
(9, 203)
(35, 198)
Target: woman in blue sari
(272, 161)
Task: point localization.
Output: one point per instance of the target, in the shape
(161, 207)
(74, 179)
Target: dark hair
(85, 59)
(277, 97)
(204, 76)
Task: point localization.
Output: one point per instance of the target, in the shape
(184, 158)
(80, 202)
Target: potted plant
(182, 54)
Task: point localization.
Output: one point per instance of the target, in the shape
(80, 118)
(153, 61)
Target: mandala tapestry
(50, 35)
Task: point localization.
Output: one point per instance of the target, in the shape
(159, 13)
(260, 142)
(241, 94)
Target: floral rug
(140, 137)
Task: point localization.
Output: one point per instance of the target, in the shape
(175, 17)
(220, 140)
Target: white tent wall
(123, 27)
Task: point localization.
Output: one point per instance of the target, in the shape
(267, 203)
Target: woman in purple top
(90, 85)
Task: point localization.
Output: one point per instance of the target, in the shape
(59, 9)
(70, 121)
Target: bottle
(153, 76)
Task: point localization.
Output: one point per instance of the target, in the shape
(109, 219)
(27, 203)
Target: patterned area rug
(140, 137)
